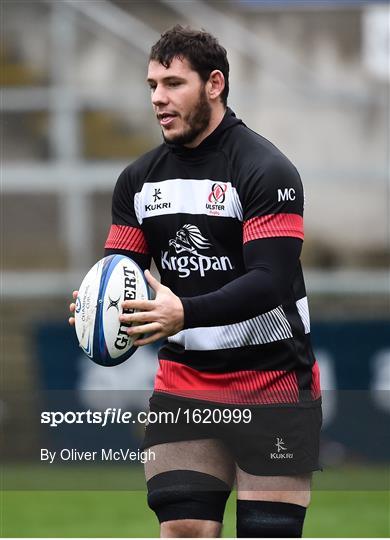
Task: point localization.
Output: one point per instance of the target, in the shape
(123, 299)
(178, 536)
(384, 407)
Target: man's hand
(161, 317)
(72, 307)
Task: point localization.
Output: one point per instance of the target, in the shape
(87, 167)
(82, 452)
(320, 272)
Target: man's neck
(216, 118)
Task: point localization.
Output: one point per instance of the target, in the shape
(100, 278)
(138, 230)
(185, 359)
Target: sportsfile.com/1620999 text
(112, 416)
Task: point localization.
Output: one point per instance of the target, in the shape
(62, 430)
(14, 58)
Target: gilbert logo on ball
(110, 281)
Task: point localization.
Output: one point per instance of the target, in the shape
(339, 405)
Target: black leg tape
(266, 519)
(184, 494)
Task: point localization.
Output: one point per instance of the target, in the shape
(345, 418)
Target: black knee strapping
(183, 494)
(266, 519)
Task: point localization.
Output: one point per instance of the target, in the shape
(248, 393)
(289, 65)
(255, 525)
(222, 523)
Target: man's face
(179, 101)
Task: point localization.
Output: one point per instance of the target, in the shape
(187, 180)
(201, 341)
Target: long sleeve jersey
(224, 225)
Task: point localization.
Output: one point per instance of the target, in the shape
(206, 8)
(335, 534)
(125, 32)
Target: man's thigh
(207, 466)
(289, 489)
(209, 456)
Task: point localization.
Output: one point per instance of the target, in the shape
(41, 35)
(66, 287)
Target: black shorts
(264, 440)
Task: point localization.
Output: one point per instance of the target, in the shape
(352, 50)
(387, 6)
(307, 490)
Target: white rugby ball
(101, 335)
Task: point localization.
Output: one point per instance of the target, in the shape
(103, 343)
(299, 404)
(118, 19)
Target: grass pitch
(340, 513)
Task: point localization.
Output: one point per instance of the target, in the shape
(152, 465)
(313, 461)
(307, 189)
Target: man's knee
(190, 528)
(187, 495)
(268, 519)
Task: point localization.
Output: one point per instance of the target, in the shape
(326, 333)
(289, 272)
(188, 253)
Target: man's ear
(215, 84)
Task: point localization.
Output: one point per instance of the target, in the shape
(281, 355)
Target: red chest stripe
(273, 225)
(239, 387)
(125, 237)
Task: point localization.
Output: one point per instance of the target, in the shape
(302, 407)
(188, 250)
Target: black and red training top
(224, 225)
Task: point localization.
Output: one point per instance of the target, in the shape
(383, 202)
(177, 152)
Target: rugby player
(220, 210)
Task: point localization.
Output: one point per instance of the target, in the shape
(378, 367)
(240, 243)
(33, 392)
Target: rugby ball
(101, 335)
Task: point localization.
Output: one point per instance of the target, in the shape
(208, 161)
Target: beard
(196, 121)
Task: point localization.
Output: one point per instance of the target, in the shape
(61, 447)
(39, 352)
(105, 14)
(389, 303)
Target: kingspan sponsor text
(194, 263)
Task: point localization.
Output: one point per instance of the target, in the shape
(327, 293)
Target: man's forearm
(243, 298)
(271, 265)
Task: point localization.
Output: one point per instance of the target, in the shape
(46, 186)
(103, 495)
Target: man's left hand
(161, 317)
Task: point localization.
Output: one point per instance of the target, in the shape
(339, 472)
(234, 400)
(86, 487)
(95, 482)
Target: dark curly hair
(200, 48)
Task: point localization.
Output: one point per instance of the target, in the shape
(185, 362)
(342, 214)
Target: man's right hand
(72, 307)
